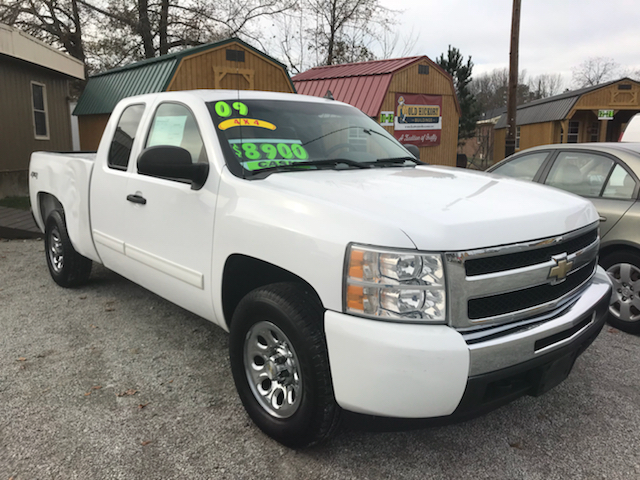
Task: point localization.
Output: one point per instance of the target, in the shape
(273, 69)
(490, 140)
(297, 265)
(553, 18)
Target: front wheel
(624, 270)
(67, 267)
(280, 365)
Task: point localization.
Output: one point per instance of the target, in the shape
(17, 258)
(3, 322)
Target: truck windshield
(260, 137)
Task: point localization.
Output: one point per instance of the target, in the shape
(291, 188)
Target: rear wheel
(624, 270)
(280, 365)
(67, 267)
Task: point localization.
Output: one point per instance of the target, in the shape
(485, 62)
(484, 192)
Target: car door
(600, 177)
(169, 241)
(109, 187)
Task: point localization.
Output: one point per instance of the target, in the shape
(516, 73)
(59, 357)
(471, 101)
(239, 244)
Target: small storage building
(34, 104)
(593, 114)
(229, 64)
(413, 98)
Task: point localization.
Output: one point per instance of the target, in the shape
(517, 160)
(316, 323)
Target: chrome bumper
(507, 345)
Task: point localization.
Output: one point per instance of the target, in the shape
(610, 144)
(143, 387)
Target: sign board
(418, 119)
(386, 119)
(605, 114)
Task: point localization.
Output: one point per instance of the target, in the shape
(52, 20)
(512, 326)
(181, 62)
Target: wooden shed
(34, 104)
(413, 98)
(229, 64)
(593, 114)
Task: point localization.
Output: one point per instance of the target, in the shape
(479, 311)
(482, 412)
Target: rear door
(604, 179)
(108, 193)
(170, 236)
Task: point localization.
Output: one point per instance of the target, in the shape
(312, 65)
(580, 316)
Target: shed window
(574, 129)
(517, 138)
(423, 69)
(235, 55)
(624, 86)
(39, 104)
(594, 130)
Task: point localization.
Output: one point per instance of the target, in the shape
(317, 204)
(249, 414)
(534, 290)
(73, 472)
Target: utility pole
(510, 141)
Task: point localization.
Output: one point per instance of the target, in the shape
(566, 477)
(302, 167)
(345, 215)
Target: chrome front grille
(510, 283)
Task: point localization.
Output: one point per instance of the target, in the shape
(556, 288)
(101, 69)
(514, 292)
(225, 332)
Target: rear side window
(123, 138)
(524, 167)
(620, 185)
(582, 173)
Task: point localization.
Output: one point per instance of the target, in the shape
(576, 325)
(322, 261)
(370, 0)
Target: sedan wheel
(624, 270)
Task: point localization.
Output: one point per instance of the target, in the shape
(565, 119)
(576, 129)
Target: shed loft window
(39, 105)
(624, 87)
(235, 55)
(423, 69)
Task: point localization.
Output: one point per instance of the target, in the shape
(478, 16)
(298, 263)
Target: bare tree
(594, 71)
(395, 44)
(328, 32)
(56, 22)
(122, 31)
(545, 85)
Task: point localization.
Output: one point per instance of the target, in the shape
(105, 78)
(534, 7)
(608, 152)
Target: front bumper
(383, 369)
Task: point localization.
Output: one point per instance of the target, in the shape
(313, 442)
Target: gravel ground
(111, 381)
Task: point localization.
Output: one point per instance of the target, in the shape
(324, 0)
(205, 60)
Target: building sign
(386, 119)
(605, 114)
(418, 119)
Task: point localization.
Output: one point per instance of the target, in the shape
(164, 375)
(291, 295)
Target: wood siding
(535, 134)
(434, 83)
(17, 136)
(211, 69)
(498, 144)
(90, 128)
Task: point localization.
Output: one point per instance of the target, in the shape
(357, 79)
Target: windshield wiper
(329, 162)
(394, 161)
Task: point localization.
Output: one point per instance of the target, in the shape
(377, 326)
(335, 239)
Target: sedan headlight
(395, 284)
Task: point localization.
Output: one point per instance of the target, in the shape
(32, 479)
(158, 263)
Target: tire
(280, 365)
(623, 268)
(67, 267)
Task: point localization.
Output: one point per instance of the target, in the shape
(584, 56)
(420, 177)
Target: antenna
(329, 95)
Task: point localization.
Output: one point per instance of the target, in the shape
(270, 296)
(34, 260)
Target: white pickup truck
(354, 280)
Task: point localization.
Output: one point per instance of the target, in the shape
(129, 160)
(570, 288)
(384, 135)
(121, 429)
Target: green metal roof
(104, 90)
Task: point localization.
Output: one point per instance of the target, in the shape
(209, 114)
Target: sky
(555, 36)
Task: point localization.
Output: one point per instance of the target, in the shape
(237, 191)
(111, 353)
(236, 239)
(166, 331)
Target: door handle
(137, 199)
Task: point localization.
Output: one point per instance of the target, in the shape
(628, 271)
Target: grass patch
(21, 203)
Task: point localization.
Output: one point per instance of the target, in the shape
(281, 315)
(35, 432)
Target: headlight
(395, 284)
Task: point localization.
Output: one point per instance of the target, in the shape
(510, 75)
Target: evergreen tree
(454, 65)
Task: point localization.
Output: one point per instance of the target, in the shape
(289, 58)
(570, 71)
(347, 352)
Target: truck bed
(65, 177)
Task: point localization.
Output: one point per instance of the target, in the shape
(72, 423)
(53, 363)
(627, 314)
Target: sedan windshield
(265, 136)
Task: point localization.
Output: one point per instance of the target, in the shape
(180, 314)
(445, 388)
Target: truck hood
(442, 208)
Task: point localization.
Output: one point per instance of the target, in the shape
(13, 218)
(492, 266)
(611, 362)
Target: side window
(175, 125)
(39, 105)
(524, 167)
(620, 185)
(582, 173)
(124, 136)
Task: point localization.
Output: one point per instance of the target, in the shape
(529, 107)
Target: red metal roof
(363, 85)
(375, 67)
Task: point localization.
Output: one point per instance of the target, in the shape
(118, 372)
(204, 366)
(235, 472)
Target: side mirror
(174, 163)
(413, 150)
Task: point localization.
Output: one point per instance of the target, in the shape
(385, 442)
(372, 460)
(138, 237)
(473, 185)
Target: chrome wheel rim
(625, 304)
(273, 370)
(56, 252)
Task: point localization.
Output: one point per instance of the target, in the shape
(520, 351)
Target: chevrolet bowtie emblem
(561, 268)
